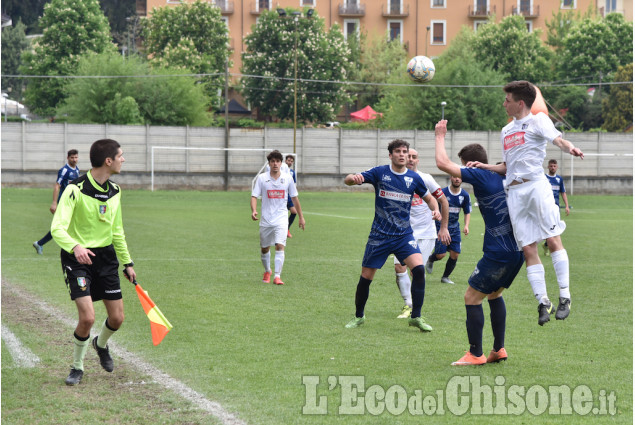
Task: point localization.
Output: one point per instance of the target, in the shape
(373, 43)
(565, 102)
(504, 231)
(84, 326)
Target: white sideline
(138, 363)
(22, 356)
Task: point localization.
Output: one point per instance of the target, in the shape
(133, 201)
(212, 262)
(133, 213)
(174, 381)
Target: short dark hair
(397, 143)
(102, 149)
(275, 154)
(553, 161)
(72, 152)
(522, 90)
(473, 152)
(289, 156)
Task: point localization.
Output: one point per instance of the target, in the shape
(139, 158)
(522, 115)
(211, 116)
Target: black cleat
(104, 356)
(74, 377)
(544, 311)
(564, 307)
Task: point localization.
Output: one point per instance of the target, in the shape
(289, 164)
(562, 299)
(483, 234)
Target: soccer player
(557, 186)
(395, 185)
(274, 187)
(423, 228)
(69, 172)
(458, 199)
(290, 160)
(533, 213)
(88, 227)
(502, 258)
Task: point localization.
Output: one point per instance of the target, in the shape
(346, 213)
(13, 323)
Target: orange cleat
(289, 234)
(277, 281)
(497, 356)
(266, 278)
(470, 359)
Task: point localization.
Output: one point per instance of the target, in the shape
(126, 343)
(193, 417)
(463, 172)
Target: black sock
(291, 218)
(361, 296)
(45, 239)
(432, 258)
(449, 267)
(474, 324)
(497, 315)
(417, 290)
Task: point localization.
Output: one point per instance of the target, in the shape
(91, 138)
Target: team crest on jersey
(413, 244)
(385, 178)
(102, 209)
(524, 127)
(81, 281)
(461, 199)
(408, 181)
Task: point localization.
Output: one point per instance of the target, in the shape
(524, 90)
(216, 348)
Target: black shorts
(100, 280)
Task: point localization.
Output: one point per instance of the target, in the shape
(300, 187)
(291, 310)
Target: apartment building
(425, 27)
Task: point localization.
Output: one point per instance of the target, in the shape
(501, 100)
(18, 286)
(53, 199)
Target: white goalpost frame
(186, 148)
(572, 161)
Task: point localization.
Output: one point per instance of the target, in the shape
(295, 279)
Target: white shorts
(533, 212)
(273, 235)
(425, 246)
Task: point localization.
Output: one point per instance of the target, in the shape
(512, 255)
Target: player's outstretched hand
(254, 215)
(576, 152)
(441, 128)
(474, 164)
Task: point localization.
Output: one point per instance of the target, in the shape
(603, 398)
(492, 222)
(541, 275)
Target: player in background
(533, 213)
(557, 185)
(423, 228)
(290, 160)
(274, 187)
(458, 199)
(87, 225)
(395, 185)
(502, 258)
(66, 174)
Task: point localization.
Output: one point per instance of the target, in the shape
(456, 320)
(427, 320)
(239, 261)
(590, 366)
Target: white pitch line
(141, 365)
(333, 215)
(22, 356)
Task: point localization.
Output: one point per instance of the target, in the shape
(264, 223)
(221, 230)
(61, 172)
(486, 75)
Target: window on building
(525, 7)
(477, 24)
(394, 30)
(438, 32)
(481, 7)
(307, 3)
(529, 25)
(263, 4)
(351, 27)
(394, 6)
(437, 3)
(568, 4)
(611, 6)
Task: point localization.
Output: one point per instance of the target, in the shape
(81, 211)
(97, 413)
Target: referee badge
(81, 282)
(102, 212)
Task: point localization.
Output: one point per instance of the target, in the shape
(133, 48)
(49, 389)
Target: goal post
(601, 155)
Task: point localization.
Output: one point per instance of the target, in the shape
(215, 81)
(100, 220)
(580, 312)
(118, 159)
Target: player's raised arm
(567, 146)
(443, 161)
(353, 179)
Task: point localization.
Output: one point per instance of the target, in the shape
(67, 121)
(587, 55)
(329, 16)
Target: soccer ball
(421, 69)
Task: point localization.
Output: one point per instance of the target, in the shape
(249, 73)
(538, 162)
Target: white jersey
(525, 146)
(274, 198)
(421, 220)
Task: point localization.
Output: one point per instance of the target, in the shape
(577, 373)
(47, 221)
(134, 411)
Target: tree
(617, 107)
(594, 48)
(145, 98)
(573, 103)
(117, 12)
(71, 28)
(14, 42)
(28, 11)
(511, 49)
(321, 57)
(190, 36)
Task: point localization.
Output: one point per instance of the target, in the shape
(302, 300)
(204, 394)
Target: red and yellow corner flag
(159, 325)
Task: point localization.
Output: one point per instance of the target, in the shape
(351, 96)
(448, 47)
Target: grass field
(248, 345)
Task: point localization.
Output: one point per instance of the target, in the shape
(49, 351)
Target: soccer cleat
(405, 312)
(104, 356)
(470, 359)
(420, 323)
(429, 266)
(289, 235)
(74, 377)
(266, 278)
(544, 311)
(497, 356)
(545, 248)
(446, 279)
(277, 281)
(39, 249)
(356, 322)
(564, 307)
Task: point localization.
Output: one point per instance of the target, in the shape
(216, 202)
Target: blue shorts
(496, 270)
(455, 244)
(379, 247)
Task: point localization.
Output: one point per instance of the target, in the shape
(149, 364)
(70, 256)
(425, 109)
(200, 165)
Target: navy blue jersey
(65, 175)
(456, 204)
(393, 196)
(557, 185)
(490, 194)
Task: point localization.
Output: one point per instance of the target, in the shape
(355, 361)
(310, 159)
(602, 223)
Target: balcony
(141, 7)
(226, 6)
(480, 12)
(258, 7)
(352, 10)
(526, 11)
(394, 11)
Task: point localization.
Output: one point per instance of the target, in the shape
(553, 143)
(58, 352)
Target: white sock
(536, 277)
(279, 262)
(560, 261)
(266, 261)
(403, 281)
